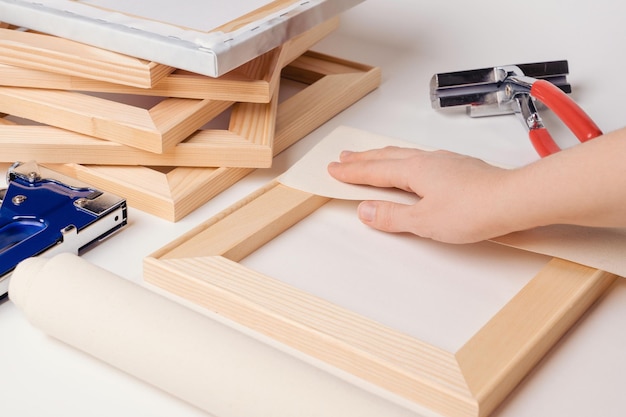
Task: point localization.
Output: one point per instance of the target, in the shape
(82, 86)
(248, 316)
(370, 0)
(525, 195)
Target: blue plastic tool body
(34, 216)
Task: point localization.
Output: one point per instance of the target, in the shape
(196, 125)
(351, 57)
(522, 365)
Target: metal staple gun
(43, 213)
(519, 89)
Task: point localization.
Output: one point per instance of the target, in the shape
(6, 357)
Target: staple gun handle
(572, 115)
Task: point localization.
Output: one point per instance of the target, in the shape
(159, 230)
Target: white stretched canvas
(209, 37)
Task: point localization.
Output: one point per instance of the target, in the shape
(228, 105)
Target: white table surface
(410, 40)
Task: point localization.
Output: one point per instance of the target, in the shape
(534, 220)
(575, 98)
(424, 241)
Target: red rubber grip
(566, 109)
(542, 142)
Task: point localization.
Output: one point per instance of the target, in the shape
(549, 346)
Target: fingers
(376, 172)
(385, 167)
(441, 179)
(389, 152)
(385, 216)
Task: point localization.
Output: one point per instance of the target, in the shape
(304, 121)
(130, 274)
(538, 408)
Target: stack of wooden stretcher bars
(166, 139)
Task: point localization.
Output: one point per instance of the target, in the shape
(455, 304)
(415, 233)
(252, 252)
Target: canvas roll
(187, 354)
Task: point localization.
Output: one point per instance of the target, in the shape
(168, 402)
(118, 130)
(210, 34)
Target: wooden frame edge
(151, 132)
(49, 53)
(247, 142)
(524, 330)
(253, 82)
(154, 129)
(201, 266)
(183, 189)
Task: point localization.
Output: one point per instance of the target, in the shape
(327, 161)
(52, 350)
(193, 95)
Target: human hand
(459, 194)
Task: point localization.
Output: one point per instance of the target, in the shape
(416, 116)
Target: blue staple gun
(43, 212)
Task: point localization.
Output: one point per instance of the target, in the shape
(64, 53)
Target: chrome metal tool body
(519, 89)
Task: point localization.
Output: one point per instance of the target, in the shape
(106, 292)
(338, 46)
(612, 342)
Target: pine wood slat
(246, 143)
(62, 56)
(174, 193)
(253, 82)
(201, 266)
(153, 129)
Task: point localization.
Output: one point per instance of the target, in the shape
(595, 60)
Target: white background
(410, 40)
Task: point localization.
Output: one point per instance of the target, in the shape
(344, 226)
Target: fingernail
(367, 211)
(345, 154)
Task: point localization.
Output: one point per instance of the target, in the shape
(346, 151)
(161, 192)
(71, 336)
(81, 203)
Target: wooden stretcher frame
(61, 56)
(156, 129)
(247, 142)
(333, 84)
(252, 82)
(202, 267)
(173, 35)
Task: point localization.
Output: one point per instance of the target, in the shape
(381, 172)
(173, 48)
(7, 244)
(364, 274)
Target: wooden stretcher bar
(202, 267)
(252, 82)
(246, 143)
(158, 128)
(62, 56)
(332, 85)
(155, 129)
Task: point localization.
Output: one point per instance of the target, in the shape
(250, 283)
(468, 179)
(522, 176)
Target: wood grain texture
(204, 148)
(148, 136)
(61, 56)
(180, 190)
(201, 266)
(154, 129)
(498, 357)
(247, 143)
(255, 15)
(253, 82)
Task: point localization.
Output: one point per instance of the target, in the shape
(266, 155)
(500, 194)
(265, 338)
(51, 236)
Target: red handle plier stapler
(519, 89)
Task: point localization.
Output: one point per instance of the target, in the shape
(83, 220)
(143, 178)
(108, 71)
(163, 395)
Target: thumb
(385, 215)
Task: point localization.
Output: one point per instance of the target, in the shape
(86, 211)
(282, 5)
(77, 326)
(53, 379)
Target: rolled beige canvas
(187, 354)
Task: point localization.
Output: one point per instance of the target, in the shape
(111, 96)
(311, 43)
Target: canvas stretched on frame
(247, 142)
(208, 37)
(203, 266)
